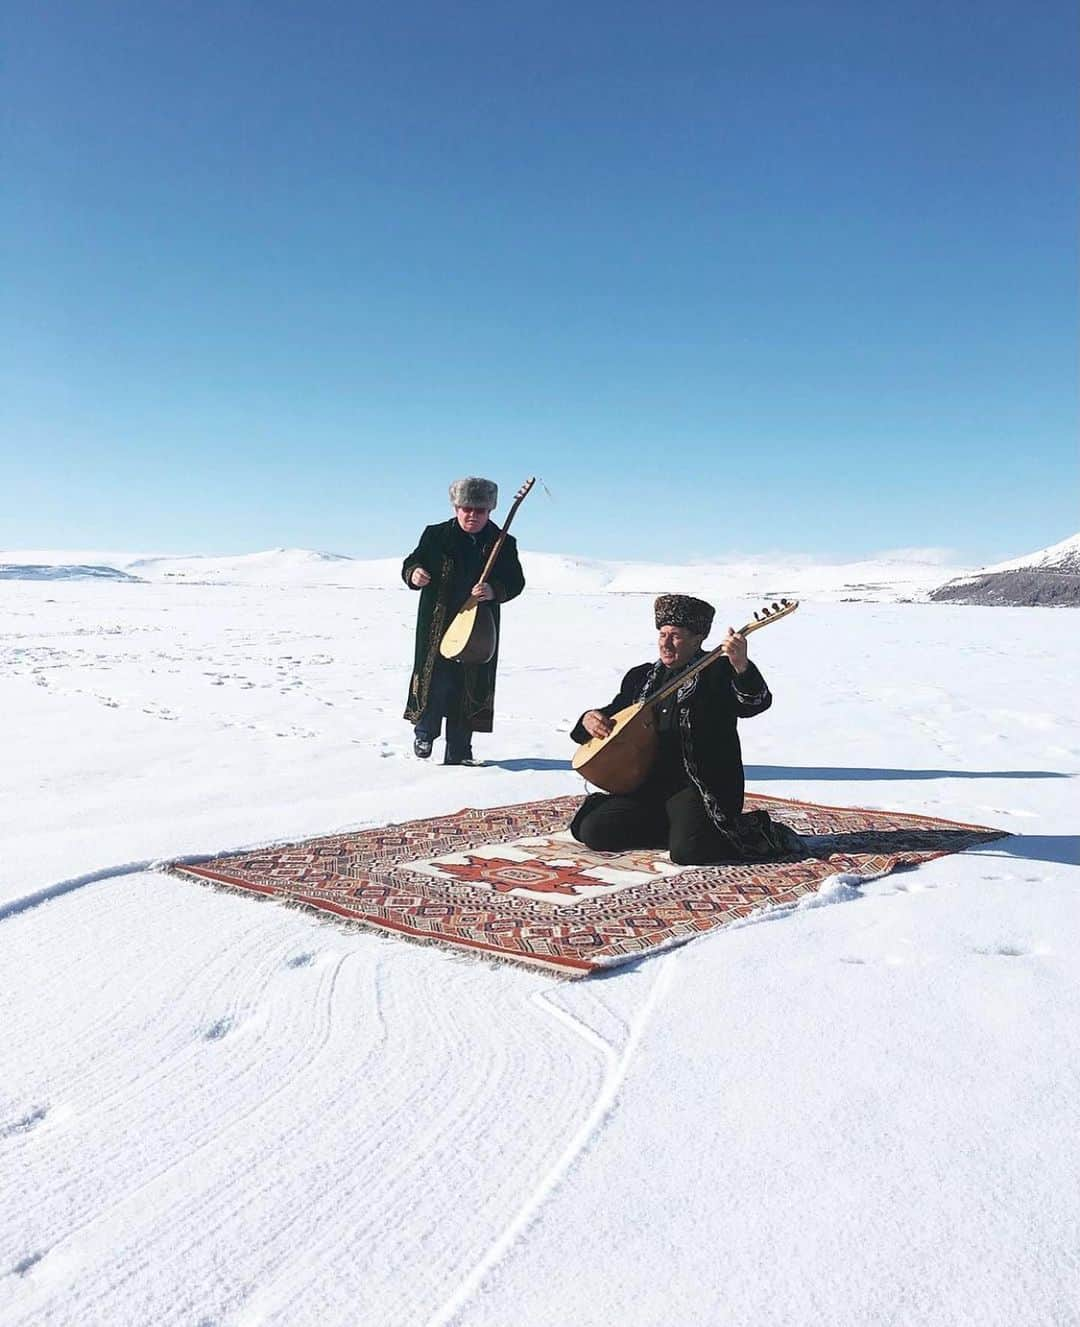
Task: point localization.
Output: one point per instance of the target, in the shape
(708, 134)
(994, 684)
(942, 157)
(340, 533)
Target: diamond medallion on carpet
(509, 881)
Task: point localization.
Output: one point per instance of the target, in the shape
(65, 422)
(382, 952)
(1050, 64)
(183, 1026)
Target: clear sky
(755, 277)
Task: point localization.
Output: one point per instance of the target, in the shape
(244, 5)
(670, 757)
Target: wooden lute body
(471, 637)
(620, 762)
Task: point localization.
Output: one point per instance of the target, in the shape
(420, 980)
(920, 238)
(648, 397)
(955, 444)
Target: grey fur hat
(474, 492)
(683, 610)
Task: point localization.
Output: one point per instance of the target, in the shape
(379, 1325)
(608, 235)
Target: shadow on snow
(839, 773)
(530, 762)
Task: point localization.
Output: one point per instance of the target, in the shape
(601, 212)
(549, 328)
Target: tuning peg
(757, 616)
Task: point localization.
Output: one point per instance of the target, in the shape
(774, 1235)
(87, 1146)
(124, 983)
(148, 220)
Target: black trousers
(446, 683)
(678, 822)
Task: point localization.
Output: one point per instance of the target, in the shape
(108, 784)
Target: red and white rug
(510, 881)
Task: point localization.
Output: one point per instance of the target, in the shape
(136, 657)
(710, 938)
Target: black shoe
(422, 746)
(460, 758)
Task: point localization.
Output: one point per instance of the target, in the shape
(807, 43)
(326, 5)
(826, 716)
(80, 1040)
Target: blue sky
(759, 278)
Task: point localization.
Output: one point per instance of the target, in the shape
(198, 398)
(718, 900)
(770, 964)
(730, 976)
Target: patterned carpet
(511, 882)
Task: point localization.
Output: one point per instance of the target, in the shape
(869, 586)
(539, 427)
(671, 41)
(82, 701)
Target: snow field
(215, 1110)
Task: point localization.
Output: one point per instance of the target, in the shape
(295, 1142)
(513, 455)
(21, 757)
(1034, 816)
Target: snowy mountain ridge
(59, 571)
(1048, 576)
(888, 577)
(1063, 556)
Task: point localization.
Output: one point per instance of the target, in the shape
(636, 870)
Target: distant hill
(1050, 577)
(274, 566)
(29, 571)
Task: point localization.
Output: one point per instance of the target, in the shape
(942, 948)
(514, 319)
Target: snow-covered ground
(220, 1111)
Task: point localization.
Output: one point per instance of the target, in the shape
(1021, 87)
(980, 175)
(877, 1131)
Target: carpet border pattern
(364, 877)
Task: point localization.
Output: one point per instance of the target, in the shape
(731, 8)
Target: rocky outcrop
(1017, 589)
(30, 571)
(1048, 578)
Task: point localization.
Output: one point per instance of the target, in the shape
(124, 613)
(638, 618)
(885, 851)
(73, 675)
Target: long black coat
(719, 700)
(446, 552)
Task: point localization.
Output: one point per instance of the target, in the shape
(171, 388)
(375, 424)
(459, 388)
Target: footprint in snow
(25, 1264)
(217, 1030)
(156, 713)
(300, 961)
(29, 1121)
(1002, 951)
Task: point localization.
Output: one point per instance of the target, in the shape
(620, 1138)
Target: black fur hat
(683, 610)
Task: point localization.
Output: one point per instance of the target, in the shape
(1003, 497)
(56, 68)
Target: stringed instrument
(471, 637)
(620, 762)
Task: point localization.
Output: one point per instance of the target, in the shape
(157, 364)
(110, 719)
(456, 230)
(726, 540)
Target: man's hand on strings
(482, 591)
(734, 648)
(419, 577)
(597, 724)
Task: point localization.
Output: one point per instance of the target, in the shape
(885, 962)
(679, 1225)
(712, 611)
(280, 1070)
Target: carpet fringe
(355, 925)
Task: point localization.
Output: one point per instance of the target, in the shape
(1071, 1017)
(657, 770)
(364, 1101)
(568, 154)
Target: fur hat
(682, 610)
(474, 492)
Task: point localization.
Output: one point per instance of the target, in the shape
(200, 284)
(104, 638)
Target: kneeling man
(691, 801)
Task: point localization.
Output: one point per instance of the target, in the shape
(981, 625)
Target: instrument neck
(681, 679)
(496, 547)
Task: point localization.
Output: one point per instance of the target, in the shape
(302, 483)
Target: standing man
(692, 799)
(445, 567)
